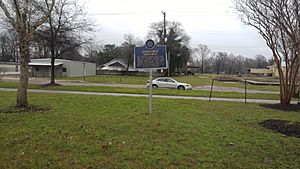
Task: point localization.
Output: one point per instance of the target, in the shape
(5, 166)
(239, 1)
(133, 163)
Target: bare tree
(25, 17)
(176, 39)
(185, 56)
(202, 52)
(2, 72)
(128, 49)
(220, 62)
(260, 61)
(278, 23)
(9, 47)
(63, 31)
(92, 51)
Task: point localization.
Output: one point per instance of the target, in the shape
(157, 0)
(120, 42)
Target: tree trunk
(286, 99)
(287, 86)
(52, 82)
(202, 65)
(22, 101)
(127, 68)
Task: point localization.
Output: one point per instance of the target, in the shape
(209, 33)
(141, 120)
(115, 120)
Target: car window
(170, 80)
(160, 80)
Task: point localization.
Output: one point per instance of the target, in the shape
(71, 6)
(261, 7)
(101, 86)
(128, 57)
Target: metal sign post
(245, 90)
(150, 92)
(149, 57)
(211, 88)
(84, 71)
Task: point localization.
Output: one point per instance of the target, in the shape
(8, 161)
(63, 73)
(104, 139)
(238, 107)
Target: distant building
(275, 70)
(10, 68)
(67, 68)
(115, 65)
(119, 67)
(271, 71)
(260, 72)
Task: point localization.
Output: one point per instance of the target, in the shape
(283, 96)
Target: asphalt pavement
(145, 95)
(41, 81)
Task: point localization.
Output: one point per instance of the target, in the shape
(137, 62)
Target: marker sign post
(150, 57)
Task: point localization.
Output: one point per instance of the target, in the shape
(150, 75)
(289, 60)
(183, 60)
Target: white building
(269, 71)
(115, 65)
(118, 65)
(10, 68)
(67, 68)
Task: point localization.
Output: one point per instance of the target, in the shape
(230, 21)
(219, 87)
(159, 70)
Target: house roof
(44, 64)
(114, 61)
(48, 60)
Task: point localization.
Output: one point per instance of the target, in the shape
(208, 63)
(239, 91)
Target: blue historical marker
(150, 56)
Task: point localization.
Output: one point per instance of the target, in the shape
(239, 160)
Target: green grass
(172, 92)
(141, 80)
(82, 131)
(198, 80)
(111, 79)
(249, 86)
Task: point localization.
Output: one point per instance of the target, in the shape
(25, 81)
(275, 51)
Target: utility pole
(164, 13)
(164, 40)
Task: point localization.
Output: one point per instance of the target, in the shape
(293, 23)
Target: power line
(220, 32)
(233, 46)
(192, 32)
(237, 46)
(199, 33)
(114, 13)
(177, 13)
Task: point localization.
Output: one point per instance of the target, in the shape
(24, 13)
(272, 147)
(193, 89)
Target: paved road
(144, 95)
(82, 83)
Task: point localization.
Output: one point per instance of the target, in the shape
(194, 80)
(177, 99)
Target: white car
(165, 82)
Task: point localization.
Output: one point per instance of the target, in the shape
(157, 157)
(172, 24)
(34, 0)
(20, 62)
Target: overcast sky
(210, 22)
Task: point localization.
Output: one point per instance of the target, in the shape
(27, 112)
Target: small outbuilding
(10, 68)
(271, 71)
(115, 65)
(260, 72)
(119, 67)
(66, 68)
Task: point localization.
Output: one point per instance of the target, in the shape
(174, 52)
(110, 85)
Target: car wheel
(181, 88)
(154, 86)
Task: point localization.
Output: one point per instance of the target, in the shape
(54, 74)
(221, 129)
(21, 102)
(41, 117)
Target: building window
(37, 69)
(64, 69)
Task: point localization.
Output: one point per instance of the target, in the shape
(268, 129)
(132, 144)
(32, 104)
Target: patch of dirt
(227, 78)
(50, 85)
(291, 107)
(29, 109)
(283, 126)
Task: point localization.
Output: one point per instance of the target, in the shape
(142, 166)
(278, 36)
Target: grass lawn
(82, 131)
(198, 80)
(110, 79)
(172, 92)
